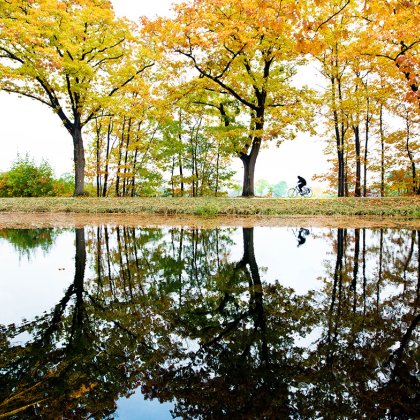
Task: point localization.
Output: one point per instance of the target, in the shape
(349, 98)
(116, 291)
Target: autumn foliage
(162, 106)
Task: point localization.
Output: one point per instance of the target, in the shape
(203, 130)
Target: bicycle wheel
(307, 192)
(292, 192)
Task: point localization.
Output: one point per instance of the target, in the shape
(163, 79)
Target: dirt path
(68, 220)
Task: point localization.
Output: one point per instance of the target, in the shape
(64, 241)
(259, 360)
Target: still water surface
(148, 323)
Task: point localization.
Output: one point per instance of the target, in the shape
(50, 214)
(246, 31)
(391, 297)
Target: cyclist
(301, 183)
(302, 236)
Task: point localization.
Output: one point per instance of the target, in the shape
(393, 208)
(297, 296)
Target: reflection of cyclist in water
(301, 183)
(301, 238)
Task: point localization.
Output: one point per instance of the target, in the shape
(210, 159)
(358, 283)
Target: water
(135, 323)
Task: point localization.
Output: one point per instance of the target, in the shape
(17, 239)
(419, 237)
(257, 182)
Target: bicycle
(294, 192)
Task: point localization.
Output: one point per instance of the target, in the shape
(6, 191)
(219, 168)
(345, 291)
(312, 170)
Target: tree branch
(216, 80)
(102, 50)
(116, 89)
(28, 95)
(107, 59)
(332, 16)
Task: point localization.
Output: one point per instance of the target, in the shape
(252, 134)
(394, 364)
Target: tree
(262, 187)
(391, 38)
(280, 189)
(72, 56)
(123, 156)
(368, 52)
(246, 51)
(408, 145)
(330, 50)
(193, 150)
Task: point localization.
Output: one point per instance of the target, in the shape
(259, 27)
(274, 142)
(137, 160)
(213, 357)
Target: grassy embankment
(385, 207)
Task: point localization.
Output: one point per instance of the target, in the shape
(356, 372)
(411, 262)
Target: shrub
(26, 179)
(63, 186)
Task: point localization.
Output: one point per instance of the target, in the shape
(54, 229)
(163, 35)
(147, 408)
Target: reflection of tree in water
(169, 310)
(81, 358)
(243, 358)
(27, 241)
(366, 360)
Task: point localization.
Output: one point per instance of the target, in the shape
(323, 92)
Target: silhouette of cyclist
(301, 238)
(301, 183)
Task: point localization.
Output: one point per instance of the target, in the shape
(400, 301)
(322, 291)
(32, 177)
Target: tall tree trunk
(357, 189)
(193, 165)
(98, 158)
(120, 146)
(79, 161)
(415, 189)
(125, 180)
(339, 137)
(216, 189)
(133, 178)
(196, 179)
(365, 160)
(108, 146)
(346, 177)
(382, 137)
(194, 162)
(249, 162)
(172, 176)
(343, 129)
(181, 175)
(135, 163)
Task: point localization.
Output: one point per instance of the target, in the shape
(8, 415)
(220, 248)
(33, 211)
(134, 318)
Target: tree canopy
(167, 103)
(72, 56)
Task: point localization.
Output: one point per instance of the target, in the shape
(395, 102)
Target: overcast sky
(29, 126)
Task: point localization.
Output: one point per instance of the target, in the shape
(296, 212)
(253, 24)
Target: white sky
(28, 126)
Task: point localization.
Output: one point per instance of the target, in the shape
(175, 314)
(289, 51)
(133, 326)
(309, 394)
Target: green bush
(63, 186)
(26, 179)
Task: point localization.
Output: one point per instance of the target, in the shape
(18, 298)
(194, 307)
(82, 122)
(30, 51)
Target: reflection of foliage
(366, 359)
(26, 241)
(170, 311)
(243, 334)
(82, 356)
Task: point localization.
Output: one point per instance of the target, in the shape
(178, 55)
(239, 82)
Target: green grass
(207, 206)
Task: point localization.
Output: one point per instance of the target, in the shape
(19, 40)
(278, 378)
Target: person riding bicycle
(301, 238)
(301, 183)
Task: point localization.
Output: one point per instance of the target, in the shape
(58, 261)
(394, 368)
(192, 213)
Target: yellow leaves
(82, 391)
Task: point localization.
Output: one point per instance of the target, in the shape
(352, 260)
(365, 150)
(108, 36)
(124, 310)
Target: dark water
(244, 323)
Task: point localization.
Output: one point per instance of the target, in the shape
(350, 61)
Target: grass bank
(386, 207)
